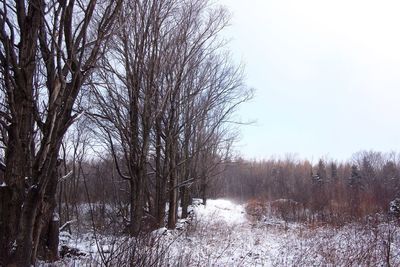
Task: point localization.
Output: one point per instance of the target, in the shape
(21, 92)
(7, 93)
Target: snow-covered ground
(222, 234)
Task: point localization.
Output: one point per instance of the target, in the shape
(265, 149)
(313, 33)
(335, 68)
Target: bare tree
(166, 95)
(47, 51)
(125, 110)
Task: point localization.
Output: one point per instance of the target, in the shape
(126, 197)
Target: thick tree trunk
(172, 215)
(137, 204)
(185, 201)
(20, 207)
(6, 229)
(30, 200)
(17, 177)
(48, 223)
(24, 250)
(52, 237)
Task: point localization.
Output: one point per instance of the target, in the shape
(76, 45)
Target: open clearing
(222, 234)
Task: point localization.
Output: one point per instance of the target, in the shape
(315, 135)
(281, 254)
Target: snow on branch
(66, 224)
(65, 177)
(76, 117)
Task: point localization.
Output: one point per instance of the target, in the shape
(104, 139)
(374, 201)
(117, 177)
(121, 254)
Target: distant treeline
(364, 185)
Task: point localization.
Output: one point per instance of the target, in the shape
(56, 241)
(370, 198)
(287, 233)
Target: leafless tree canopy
(128, 108)
(146, 89)
(48, 50)
(164, 96)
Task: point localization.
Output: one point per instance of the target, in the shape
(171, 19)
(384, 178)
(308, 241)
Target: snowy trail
(219, 235)
(224, 236)
(221, 210)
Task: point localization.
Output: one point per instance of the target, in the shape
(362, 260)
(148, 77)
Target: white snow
(56, 217)
(34, 187)
(78, 117)
(221, 210)
(65, 177)
(222, 234)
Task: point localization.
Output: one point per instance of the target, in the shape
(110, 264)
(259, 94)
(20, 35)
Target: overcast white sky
(326, 74)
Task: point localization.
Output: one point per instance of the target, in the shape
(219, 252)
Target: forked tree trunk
(37, 211)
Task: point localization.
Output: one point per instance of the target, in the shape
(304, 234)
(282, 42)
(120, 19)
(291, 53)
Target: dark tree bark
(42, 44)
(161, 181)
(168, 76)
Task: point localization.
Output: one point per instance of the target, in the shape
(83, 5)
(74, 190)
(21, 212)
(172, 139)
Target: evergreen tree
(355, 186)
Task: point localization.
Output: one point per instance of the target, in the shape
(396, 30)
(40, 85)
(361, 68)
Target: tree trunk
(137, 204)
(6, 229)
(24, 250)
(204, 190)
(160, 201)
(172, 215)
(185, 201)
(173, 191)
(47, 230)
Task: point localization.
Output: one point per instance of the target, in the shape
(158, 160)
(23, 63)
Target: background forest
(118, 118)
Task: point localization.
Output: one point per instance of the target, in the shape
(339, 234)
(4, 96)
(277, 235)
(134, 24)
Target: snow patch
(221, 210)
(56, 217)
(160, 231)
